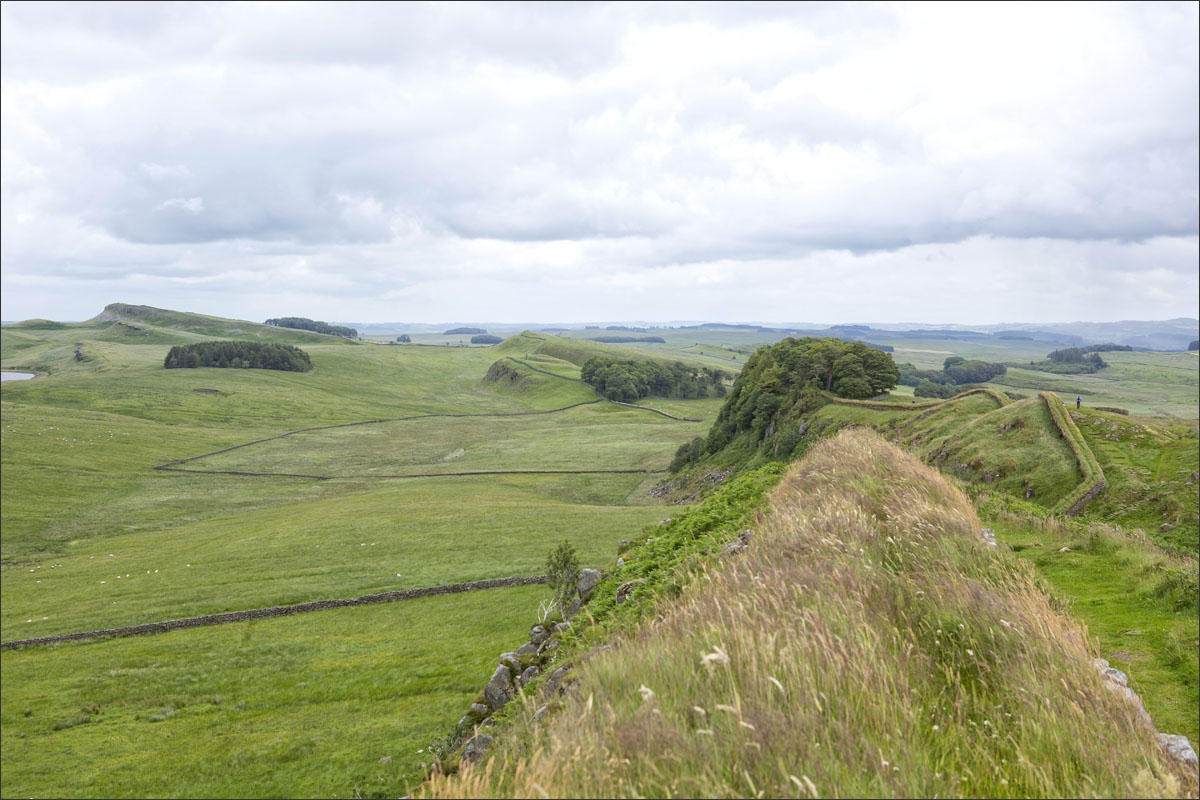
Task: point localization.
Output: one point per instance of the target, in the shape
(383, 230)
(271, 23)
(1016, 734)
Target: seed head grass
(867, 644)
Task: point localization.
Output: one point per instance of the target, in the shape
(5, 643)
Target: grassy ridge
(867, 644)
(1093, 476)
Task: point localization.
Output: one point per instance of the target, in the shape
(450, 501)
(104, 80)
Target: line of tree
(628, 381)
(627, 339)
(486, 338)
(316, 326)
(238, 355)
(1194, 344)
(462, 331)
(1105, 348)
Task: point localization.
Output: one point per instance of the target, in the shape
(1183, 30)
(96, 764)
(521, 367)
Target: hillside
(205, 325)
(861, 641)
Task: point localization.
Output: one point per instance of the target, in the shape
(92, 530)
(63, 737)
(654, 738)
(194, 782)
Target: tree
(404, 338)
(562, 571)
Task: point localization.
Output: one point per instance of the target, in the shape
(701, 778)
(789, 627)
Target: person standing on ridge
(1077, 401)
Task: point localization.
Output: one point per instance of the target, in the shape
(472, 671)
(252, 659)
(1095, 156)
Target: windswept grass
(867, 644)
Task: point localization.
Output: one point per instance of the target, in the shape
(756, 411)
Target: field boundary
(150, 628)
(167, 465)
(1093, 476)
(882, 406)
(602, 397)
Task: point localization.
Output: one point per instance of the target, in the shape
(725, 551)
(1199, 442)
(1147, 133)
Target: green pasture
(338, 703)
(592, 437)
(400, 535)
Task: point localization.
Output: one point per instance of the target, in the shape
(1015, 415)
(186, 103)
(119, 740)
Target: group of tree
(627, 339)
(787, 378)
(1194, 344)
(1073, 360)
(462, 331)
(627, 381)
(486, 338)
(1105, 348)
(404, 338)
(239, 355)
(316, 326)
(956, 372)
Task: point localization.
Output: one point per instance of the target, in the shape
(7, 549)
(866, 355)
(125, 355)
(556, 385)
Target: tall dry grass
(866, 645)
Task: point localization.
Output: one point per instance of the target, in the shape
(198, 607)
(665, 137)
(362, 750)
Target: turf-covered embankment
(866, 644)
(1093, 477)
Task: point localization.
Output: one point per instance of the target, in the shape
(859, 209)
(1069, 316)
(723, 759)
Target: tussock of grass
(867, 644)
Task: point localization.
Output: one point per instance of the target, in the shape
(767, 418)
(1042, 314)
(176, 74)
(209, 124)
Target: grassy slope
(1137, 601)
(868, 644)
(1150, 465)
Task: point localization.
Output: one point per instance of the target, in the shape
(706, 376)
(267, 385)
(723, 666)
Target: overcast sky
(579, 162)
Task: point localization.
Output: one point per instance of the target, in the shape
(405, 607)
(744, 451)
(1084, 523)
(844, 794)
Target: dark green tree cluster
(948, 381)
(1194, 344)
(316, 326)
(1106, 348)
(462, 331)
(404, 338)
(1070, 361)
(486, 338)
(627, 381)
(239, 355)
(786, 378)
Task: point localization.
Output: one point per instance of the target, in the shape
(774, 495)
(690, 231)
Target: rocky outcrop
(1175, 745)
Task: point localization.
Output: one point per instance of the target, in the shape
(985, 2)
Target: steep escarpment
(861, 640)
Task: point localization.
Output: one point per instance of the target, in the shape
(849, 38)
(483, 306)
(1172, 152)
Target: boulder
(539, 634)
(539, 714)
(527, 649)
(480, 710)
(512, 661)
(548, 646)
(625, 589)
(476, 747)
(1178, 746)
(500, 688)
(573, 609)
(588, 578)
(554, 684)
(529, 675)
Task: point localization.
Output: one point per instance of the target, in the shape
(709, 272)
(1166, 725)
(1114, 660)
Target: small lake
(16, 376)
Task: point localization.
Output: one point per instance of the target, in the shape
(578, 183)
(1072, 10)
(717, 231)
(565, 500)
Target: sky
(579, 162)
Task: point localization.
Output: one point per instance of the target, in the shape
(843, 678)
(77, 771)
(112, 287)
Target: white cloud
(604, 159)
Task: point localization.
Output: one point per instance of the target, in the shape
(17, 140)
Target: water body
(16, 376)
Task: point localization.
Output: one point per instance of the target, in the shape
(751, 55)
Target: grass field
(301, 706)
(94, 537)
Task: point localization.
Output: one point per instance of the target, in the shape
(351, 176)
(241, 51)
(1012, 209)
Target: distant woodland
(463, 331)
(238, 355)
(316, 326)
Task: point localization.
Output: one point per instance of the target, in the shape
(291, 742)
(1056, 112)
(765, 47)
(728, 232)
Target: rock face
(586, 583)
(500, 689)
